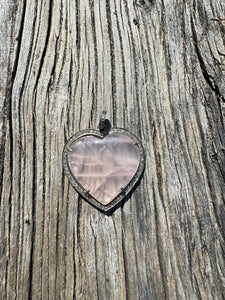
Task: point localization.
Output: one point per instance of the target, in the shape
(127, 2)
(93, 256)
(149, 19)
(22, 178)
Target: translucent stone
(104, 166)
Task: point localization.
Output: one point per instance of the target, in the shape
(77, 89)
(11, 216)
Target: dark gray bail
(104, 124)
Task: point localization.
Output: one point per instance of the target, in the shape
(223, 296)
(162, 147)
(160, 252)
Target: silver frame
(80, 189)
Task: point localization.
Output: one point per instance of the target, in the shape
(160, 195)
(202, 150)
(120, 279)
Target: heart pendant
(103, 166)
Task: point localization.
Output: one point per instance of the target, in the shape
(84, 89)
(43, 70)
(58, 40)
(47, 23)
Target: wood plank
(157, 68)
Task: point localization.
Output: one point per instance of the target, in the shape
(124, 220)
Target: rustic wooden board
(158, 69)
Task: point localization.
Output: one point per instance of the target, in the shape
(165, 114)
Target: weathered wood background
(157, 67)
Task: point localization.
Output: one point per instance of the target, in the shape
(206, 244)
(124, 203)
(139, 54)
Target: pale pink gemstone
(104, 166)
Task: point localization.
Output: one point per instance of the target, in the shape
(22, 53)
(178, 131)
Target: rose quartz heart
(104, 166)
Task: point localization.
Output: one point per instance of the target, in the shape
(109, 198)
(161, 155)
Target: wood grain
(157, 68)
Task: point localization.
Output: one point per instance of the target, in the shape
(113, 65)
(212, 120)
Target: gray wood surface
(157, 67)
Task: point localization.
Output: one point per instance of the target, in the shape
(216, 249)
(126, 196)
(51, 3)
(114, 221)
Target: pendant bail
(104, 124)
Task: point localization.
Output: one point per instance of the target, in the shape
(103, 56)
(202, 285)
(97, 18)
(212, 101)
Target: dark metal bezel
(80, 189)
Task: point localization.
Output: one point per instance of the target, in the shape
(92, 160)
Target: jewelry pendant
(103, 166)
